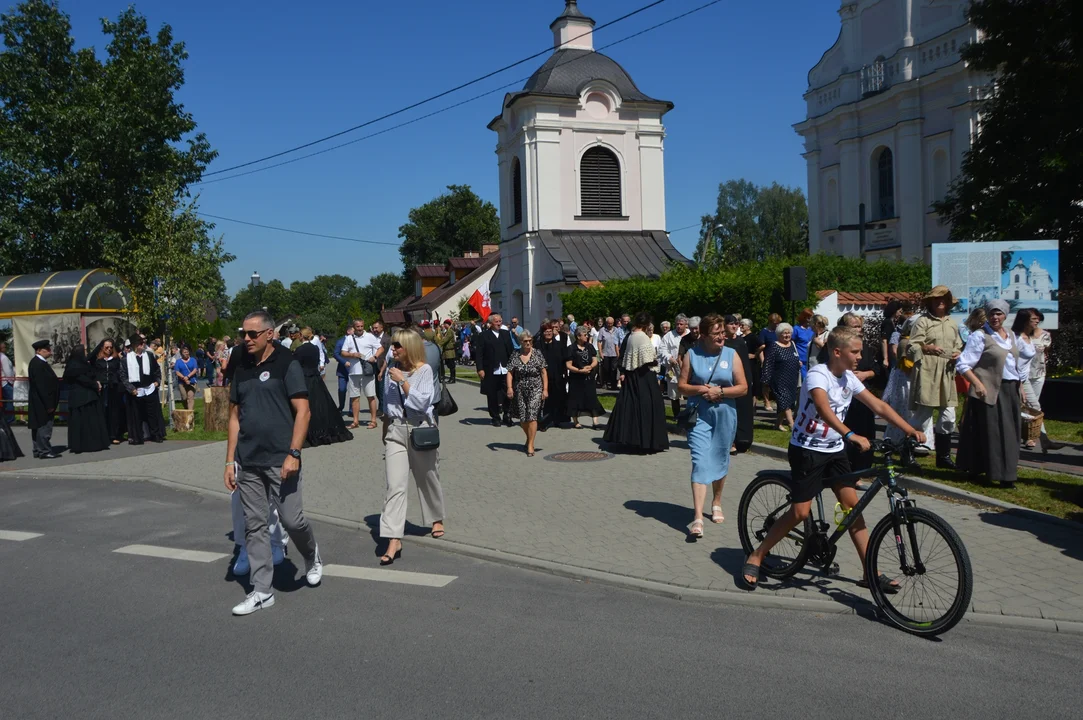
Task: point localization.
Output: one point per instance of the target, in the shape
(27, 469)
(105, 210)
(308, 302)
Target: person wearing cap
(989, 439)
(44, 397)
(427, 331)
(141, 376)
(445, 340)
(935, 345)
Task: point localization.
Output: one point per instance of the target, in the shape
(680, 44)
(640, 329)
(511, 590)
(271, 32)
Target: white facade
(1033, 283)
(891, 112)
(543, 134)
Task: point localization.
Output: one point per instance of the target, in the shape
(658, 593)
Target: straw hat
(938, 292)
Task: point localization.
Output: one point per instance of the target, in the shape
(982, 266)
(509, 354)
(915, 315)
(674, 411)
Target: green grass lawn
(1053, 493)
(198, 433)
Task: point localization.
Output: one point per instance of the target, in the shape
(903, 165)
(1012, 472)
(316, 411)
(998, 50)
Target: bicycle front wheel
(933, 571)
(764, 501)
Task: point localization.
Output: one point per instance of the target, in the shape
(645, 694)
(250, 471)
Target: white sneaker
(255, 601)
(242, 566)
(314, 573)
(278, 554)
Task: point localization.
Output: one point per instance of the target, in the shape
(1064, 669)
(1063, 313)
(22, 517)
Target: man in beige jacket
(934, 347)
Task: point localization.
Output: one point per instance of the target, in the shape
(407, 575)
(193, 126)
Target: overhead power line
(514, 83)
(297, 232)
(426, 100)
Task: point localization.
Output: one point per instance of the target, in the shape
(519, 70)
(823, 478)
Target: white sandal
(716, 515)
(696, 528)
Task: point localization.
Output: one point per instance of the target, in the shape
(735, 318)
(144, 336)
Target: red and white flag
(480, 301)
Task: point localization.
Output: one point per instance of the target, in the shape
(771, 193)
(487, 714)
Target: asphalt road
(89, 632)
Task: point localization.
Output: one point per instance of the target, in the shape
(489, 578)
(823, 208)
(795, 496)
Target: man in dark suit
(44, 397)
(496, 351)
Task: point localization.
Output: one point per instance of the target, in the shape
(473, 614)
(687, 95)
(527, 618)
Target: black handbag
(689, 414)
(426, 438)
(447, 405)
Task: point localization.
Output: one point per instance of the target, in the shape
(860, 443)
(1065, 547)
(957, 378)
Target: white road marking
(17, 536)
(392, 576)
(171, 553)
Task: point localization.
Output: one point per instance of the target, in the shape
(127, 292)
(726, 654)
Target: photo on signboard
(116, 329)
(981, 294)
(1029, 279)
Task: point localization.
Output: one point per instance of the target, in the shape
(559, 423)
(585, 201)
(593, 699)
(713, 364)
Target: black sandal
(887, 584)
(750, 569)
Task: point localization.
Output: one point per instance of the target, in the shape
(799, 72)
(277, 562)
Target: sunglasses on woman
(396, 346)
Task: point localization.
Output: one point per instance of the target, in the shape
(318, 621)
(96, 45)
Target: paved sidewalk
(625, 515)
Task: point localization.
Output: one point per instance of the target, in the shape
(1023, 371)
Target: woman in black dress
(638, 421)
(781, 372)
(554, 346)
(528, 385)
(582, 367)
(113, 397)
(86, 421)
(742, 440)
(325, 426)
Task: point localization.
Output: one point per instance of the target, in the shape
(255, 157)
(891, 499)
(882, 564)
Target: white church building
(582, 191)
(891, 110)
(1033, 283)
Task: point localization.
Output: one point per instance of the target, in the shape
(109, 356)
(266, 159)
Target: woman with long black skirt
(638, 421)
(554, 346)
(325, 426)
(86, 421)
(582, 369)
(746, 410)
(113, 400)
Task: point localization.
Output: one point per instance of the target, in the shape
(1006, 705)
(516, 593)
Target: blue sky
(266, 76)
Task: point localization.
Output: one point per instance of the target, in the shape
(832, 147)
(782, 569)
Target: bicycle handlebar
(905, 451)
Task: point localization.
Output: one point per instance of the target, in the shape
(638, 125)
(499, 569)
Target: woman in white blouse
(408, 404)
(989, 439)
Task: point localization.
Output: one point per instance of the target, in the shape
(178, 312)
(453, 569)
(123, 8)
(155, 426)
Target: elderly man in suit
(496, 351)
(44, 397)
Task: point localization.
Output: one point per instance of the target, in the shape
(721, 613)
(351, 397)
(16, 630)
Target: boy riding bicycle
(817, 450)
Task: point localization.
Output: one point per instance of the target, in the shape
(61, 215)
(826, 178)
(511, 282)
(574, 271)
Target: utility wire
(297, 232)
(429, 99)
(437, 112)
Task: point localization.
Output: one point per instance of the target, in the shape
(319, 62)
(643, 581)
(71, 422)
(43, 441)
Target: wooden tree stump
(184, 420)
(216, 409)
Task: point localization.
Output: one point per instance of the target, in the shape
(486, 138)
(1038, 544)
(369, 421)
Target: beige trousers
(399, 461)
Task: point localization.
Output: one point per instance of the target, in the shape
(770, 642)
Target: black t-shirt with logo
(263, 392)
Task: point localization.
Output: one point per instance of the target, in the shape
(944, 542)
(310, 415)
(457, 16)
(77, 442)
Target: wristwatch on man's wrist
(294, 453)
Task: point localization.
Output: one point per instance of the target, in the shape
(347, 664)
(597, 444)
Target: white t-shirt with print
(809, 430)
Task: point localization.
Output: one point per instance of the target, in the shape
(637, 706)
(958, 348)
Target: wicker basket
(1032, 424)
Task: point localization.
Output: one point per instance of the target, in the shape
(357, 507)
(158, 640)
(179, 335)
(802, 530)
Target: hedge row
(754, 290)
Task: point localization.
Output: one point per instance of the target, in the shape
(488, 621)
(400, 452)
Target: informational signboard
(1024, 273)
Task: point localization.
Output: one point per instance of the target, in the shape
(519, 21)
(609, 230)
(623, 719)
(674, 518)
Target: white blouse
(975, 346)
(417, 405)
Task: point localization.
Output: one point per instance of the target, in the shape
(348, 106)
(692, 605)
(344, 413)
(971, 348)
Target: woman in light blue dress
(712, 376)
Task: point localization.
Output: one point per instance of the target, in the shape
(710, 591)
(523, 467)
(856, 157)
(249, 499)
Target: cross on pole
(861, 227)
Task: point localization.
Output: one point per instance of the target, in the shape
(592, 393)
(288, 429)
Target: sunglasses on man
(253, 334)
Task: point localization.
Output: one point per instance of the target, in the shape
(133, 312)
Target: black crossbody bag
(689, 415)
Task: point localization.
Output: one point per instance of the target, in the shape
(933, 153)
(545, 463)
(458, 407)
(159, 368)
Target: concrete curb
(627, 582)
(931, 487)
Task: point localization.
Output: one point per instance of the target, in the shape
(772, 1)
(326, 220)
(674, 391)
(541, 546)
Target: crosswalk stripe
(17, 536)
(392, 576)
(171, 553)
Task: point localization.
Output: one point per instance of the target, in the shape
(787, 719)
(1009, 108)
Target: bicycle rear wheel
(933, 596)
(763, 502)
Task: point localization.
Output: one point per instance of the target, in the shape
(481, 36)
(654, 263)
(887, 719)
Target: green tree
(272, 295)
(323, 292)
(1022, 176)
(446, 227)
(87, 146)
(753, 223)
(383, 291)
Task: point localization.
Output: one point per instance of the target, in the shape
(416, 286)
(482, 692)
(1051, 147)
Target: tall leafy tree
(1023, 176)
(88, 147)
(383, 291)
(781, 222)
(446, 227)
(753, 223)
(272, 295)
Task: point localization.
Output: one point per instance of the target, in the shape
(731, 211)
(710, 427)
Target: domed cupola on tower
(582, 181)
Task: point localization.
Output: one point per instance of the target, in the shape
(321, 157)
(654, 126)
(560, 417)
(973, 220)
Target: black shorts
(811, 472)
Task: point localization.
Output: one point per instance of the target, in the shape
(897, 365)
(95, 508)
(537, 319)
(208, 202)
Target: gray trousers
(922, 419)
(399, 461)
(43, 439)
(259, 489)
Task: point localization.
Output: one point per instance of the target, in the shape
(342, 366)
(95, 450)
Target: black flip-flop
(437, 534)
(885, 584)
(750, 569)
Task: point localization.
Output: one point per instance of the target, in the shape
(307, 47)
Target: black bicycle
(934, 574)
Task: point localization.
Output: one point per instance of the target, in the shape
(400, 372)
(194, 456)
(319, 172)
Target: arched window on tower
(599, 182)
(885, 185)
(517, 191)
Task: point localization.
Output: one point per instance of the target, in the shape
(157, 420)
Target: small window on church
(517, 190)
(599, 178)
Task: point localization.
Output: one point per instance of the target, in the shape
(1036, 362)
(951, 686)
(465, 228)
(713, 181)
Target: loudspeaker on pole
(794, 284)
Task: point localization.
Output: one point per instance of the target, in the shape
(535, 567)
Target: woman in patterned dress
(781, 370)
(528, 385)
